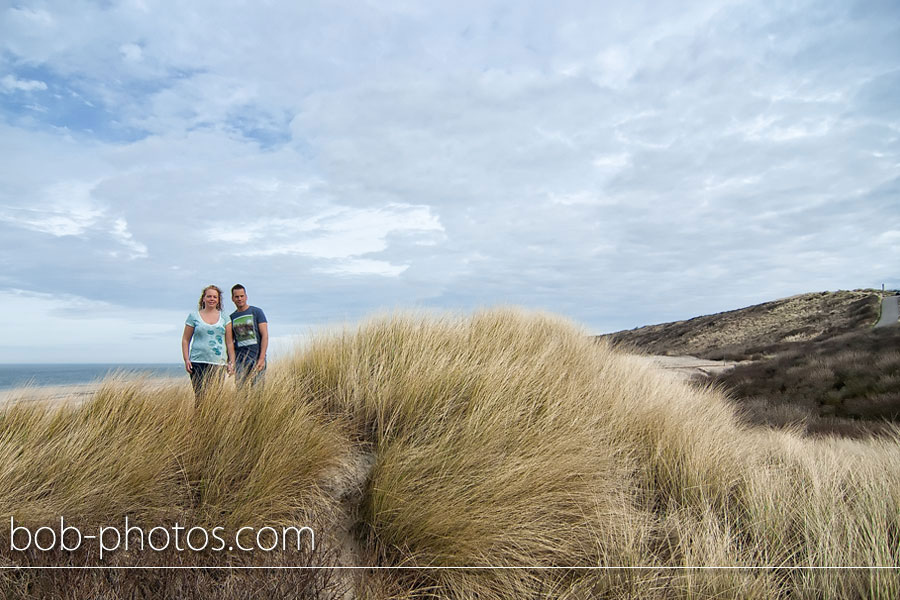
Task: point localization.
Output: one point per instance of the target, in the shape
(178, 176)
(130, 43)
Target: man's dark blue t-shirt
(245, 328)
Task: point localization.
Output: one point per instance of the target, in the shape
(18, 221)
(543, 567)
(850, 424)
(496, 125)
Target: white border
(632, 568)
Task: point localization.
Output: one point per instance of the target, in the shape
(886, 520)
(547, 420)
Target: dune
(452, 446)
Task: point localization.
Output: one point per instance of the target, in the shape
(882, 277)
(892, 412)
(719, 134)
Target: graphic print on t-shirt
(244, 332)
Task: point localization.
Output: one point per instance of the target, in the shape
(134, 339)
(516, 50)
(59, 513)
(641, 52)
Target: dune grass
(154, 456)
(499, 439)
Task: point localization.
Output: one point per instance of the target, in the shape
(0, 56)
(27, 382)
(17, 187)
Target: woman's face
(210, 298)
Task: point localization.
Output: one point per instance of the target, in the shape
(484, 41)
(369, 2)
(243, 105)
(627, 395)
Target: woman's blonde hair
(203, 293)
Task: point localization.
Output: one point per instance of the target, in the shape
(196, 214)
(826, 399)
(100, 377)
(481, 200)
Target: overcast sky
(619, 163)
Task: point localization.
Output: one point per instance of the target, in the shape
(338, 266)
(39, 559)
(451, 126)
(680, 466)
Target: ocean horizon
(15, 375)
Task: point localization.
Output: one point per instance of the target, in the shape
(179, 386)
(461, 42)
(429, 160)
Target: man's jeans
(244, 373)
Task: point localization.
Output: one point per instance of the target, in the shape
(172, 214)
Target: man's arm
(263, 346)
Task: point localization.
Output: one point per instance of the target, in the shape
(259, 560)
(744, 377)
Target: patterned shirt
(208, 341)
(245, 328)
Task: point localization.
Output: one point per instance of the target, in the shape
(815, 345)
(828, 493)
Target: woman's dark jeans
(204, 373)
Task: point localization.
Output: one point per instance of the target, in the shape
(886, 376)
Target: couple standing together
(214, 344)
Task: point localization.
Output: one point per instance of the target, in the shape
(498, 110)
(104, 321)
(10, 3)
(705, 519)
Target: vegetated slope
(816, 362)
(757, 331)
(497, 439)
(848, 384)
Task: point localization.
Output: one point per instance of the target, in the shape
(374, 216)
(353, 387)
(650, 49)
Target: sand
(691, 367)
(76, 392)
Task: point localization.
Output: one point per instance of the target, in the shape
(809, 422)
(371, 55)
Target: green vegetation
(500, 439)
(848, 384)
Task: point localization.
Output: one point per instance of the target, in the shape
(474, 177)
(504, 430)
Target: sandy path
(690, 367)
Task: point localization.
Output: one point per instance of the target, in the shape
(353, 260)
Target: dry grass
(498, 439)
(150, 455)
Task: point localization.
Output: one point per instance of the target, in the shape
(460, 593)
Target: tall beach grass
(497, 439)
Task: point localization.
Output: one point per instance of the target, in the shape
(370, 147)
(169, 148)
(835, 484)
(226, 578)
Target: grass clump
(511, 439)
(153, 456)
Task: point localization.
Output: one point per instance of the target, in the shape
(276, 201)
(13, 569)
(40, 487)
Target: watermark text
(181, 538)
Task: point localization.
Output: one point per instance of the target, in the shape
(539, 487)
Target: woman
(207, 332)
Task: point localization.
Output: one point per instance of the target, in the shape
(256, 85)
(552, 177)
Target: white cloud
(608, 166)
(779, 129)
(718, 185)
(35, 16)
(562, 157)
(62, 209)
(614, 67)
(70, 328)
(121, 233)
(131, 52)
(888, 238)
(10, 83)
(612, 162)
(69, 209)
(336, 233)
(584, 197)
(362, 266)
(252, 232)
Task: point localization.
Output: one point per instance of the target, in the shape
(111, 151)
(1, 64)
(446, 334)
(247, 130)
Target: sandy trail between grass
(690, 367)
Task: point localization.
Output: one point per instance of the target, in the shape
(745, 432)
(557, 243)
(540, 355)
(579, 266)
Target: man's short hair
(237, 286)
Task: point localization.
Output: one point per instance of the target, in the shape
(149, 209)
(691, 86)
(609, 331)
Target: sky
(618, 163)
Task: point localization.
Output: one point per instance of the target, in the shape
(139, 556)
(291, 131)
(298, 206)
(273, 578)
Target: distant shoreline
(76, 375)
(76, 392)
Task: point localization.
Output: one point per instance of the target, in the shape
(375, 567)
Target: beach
(79, 392)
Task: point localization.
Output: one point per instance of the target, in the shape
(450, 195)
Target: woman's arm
(229, 347)
(185, 345)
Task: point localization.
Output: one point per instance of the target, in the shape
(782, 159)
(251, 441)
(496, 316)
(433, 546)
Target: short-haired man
(250, 330)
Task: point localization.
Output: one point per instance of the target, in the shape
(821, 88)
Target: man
(250, 330)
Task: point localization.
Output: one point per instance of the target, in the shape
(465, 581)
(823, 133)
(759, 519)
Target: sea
(19, 375)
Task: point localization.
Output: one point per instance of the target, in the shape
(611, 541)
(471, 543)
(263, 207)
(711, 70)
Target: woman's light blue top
(208, 341)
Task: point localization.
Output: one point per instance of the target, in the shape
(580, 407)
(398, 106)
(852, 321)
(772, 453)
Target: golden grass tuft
(499, 439)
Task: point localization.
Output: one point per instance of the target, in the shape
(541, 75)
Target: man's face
(239, 297)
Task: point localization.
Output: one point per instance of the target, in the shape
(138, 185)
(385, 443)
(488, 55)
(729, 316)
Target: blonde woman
(206, 344)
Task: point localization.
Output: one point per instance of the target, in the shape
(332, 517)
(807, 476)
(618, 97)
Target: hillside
(756, 331)
(811, 361)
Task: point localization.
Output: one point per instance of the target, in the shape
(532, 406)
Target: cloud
(336, 233)
(10, 83)
(64, 208)
(131, 52)
(121, 233)
(361, 266)
(340, 158)
(69, 208)
(80, 329)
